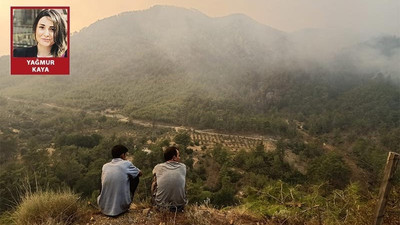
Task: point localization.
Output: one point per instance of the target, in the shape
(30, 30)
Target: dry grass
(48, 208)
(193, 215)
(205, 215)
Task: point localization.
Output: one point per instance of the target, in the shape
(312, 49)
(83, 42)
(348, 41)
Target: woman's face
(45, 32)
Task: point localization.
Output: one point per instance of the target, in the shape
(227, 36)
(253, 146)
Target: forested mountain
(177, 65)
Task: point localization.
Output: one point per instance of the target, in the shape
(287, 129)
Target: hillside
(264, 120)
(230, 74)
(167, 62)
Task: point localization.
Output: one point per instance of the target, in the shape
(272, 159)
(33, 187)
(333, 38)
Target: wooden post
(386, 185)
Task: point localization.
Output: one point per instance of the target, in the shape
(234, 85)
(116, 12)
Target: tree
(220, 154)
(182, 138)
(8, 148)
(330, 168)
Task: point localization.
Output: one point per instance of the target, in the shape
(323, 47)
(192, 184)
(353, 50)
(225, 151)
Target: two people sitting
(120, 178)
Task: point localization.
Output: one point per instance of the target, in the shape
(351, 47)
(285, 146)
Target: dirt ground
(199, 215)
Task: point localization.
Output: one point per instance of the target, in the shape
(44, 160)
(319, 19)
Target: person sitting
(169, 180)
(119, 180)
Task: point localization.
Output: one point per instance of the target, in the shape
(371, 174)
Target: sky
(363, 16)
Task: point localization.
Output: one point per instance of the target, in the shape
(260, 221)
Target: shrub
(330, 168)
(48, 207)
(182, 138)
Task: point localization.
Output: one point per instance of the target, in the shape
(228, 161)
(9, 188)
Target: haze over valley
(257, 112)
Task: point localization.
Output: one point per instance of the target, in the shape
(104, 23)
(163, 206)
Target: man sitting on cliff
(119, 180)
(169, 182)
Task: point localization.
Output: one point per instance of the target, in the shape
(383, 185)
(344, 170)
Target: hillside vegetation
(263, 130)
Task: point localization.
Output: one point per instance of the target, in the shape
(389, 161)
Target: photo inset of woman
(50, 34)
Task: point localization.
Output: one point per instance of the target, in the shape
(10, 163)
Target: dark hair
(118, 150)
(60, 34)
(170, 152)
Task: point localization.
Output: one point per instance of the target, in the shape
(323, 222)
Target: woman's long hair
(60, 33)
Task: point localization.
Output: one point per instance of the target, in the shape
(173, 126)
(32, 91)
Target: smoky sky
(361, 17)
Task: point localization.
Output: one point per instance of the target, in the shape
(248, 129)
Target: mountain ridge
(142, 62)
